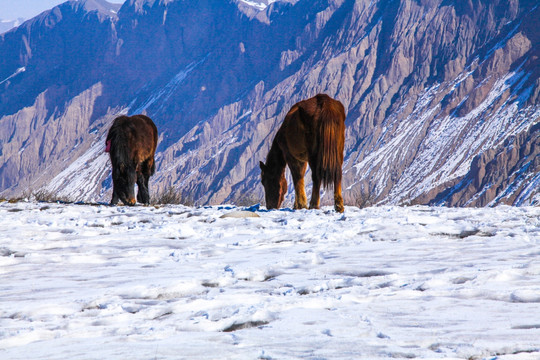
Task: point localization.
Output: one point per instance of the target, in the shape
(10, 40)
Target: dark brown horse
(313, 132)
(131, 143)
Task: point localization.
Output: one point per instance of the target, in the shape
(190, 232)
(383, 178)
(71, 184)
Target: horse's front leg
(115, 197)
(298, 170)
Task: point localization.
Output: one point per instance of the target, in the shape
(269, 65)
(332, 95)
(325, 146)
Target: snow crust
(175, 282)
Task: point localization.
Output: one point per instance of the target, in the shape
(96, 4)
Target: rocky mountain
(442, 96)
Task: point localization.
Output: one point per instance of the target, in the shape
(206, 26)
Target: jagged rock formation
(438, 93)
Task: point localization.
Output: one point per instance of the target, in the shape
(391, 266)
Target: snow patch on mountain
(259, 5)
(6, 25)
(163, 94)
(17, 72)
(83, 174)
(447, 150)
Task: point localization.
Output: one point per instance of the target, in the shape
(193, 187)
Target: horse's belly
(300, 155)
(296, 141)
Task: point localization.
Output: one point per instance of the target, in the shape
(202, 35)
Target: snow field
(174, 282)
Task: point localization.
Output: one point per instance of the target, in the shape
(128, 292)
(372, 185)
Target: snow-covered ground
(174, 282)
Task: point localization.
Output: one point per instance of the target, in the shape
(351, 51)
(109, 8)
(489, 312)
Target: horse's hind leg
(338, 199)
(143, 194)
(298, 170)
(315, 194)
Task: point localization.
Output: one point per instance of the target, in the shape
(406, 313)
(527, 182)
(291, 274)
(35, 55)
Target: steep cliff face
(435, 91)
(50, 90)
(506, 174)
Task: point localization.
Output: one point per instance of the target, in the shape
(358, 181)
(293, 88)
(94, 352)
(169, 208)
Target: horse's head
(275, 186)
(124, 178)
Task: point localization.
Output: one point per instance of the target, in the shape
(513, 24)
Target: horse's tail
(331, 140)
(118, 140)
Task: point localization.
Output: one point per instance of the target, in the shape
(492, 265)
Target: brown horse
(131, 143)
(313, 132)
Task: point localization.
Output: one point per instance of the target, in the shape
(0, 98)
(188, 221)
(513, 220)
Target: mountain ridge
(429, 87)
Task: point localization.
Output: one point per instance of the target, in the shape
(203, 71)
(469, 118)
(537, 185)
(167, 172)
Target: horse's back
(147, 130)
(324, 108)
(312, 112)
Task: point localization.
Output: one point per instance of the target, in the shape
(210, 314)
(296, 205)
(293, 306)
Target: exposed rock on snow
(239, 214)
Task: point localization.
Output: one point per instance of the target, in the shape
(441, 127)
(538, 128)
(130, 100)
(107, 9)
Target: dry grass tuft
(171, 196)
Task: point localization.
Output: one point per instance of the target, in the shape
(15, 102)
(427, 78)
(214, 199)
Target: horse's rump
(131, 140)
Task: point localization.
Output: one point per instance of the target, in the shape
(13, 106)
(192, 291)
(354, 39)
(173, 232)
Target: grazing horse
(131, 144)
(313, 132)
